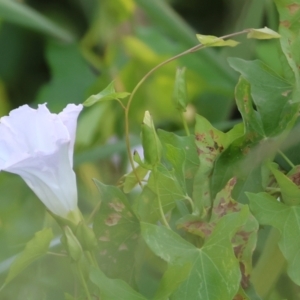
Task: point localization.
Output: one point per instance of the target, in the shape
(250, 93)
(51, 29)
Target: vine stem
(163, 217)
(286, 159)
(84, 283)
(127, 108)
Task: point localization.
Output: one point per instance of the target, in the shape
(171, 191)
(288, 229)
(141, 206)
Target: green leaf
(176, 157)
(270, 94)
(191, 162)
(243, 241)
(146, 205)
(65, 86)
(180, 90)
(23, 15)
(210, 144)
(290, 192)
(69, 297)
(175, 275)
(117, 231)
(289, 26)
(109, 93)
(150, 141)
(263, 34)
(228, 164)
(74, 248)
(252, 121)
(35, 248)
(269, 211)
(214, 41)
(112, 289)
(210, 264)
(130, 180)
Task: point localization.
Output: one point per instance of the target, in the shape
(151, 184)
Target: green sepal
(86, 237)
(70, 241)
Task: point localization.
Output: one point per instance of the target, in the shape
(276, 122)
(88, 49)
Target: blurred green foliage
(62, 52)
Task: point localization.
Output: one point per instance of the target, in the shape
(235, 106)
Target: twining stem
(191, 50)
(286, 159)
(163, 217)
(269, 266)
(83, 283)
(120, 102)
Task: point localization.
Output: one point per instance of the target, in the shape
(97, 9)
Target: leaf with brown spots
(146, 204)
(117, 230)
(289, 15)
(215, 269)
(210, 143)
(290, 192)
(243, 241)
(189, 165)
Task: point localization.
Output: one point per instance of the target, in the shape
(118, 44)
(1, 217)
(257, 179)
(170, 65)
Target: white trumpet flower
(38, 146)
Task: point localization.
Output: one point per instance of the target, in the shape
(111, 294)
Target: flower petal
(38, 146)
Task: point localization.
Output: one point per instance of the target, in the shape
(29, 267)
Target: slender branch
(120, 102)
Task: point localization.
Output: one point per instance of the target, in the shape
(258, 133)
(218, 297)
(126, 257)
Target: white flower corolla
(38, 146)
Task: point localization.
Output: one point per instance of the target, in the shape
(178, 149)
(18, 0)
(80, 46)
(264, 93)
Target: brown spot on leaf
(199, 151)
(199, 228)
(103, 252)
(112, 219)
(296, 178)
(285, 94)
(285, 23)
(239, 297)
(199, 136)
(117, 206)
(246, 150)
(134, 236)
(123, 247)
(104, 238)
(232, 181)
(293, 8)
(245, 277)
